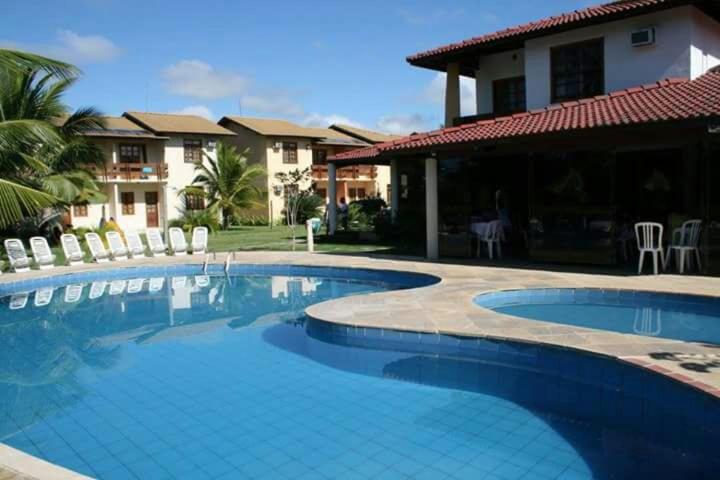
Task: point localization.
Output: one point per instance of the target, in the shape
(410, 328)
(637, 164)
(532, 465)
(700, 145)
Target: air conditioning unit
(643, 37)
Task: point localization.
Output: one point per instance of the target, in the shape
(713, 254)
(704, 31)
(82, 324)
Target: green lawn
(263, 238)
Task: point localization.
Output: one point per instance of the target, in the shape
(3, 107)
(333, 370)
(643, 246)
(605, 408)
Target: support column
(431, 208)
(452, 94)
(332, 198)
(394, 189)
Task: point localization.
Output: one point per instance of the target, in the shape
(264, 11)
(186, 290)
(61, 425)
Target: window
(131, 153)
(289, 152)
(127, 199)
(577, 70)
(80, 210)
(509, 95)
(319, 157)
(193, 150)
(356, 193)
(194, 202)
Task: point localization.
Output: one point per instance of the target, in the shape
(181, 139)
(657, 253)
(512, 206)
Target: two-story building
(150, 158)
(586, 123)
(283, 146)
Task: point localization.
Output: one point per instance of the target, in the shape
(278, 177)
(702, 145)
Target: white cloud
(319, 120)
(403, 124)
(199, 110)
(435, 93)
(275, 103)
(74, 48)
(196, 79)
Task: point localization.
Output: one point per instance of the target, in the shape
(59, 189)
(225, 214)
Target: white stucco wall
(181, 174)
(705, 52)
(625, 66)
(495, 67)
(275, 165)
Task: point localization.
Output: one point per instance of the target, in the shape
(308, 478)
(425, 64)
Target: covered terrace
(572, 178)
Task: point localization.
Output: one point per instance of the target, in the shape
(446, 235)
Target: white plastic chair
(43, 256)
(43, 296)
(156, 284)
(18, 301)
(155, 242)
(135, 245)
(135, 285)
(71, 247)
(202, 281)
(685, 242)
(73, 293)
(649, 240)
(117, 287)
(118, 250)
(199, 240)
(97, 249)
(491, 238)
(178, 244)
(97, 289)
(19, 261)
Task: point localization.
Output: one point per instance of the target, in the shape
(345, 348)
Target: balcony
(132, 172)
(355, 172)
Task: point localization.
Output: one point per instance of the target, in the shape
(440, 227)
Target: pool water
(196, 377)
(680, 317)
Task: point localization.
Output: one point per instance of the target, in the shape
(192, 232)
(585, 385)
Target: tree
(228, 182)
(300, 204)
(41, 152)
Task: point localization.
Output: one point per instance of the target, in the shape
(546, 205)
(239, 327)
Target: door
(151, 209)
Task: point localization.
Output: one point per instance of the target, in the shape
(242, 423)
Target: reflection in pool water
(193, 376)
(680, 317)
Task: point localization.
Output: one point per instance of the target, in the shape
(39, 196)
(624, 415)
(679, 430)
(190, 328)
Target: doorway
(151, 209)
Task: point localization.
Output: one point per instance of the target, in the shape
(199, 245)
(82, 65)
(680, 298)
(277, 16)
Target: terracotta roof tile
(604, 12)
(667, 100)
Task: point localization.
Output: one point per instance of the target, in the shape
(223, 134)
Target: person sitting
(343, 211)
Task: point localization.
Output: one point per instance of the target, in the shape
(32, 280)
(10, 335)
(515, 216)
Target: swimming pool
(168, 373)
(681, 317)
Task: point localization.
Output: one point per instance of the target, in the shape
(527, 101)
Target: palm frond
(17, 60)
(17, 201)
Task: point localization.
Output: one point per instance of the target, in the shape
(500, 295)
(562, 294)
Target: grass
(263, 238)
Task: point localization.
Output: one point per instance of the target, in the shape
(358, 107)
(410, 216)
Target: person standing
(343, 210)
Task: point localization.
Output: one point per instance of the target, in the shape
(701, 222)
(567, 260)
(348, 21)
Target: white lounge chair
(117, 287)
(19, 301)
(97, 249)
(135, 245)
(43, 296)
(44, 258)
(202, 281)
(156, 284)
(179, 283)
(19, 261)
(73, 293)
(155, 242)
(71, 247)
(97, 289)
(178, 244)
(199, 240)
(135, 285)
(118, 250)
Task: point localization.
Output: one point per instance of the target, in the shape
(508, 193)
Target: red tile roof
(578, 18)
(667, 100)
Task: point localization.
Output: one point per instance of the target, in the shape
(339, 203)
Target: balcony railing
(355, 172)
(130, 172)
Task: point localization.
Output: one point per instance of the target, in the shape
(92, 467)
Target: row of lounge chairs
(118, 249)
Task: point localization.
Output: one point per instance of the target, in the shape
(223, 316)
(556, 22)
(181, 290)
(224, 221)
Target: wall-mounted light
(211, 144)
(277, 190)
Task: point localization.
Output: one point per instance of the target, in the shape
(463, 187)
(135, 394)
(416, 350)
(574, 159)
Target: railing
(320, 172)
(132, 171)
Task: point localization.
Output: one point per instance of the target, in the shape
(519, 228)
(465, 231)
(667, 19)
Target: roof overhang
(466, 53)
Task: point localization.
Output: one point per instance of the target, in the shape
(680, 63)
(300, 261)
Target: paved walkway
(447, 307)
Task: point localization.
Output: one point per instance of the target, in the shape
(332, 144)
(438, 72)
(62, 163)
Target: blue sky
(312, 61)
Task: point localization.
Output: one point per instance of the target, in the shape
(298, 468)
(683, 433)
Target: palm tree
(41, 153)
(229, 183)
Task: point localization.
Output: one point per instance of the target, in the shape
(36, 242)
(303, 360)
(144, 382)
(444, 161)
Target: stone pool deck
(447, 307)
